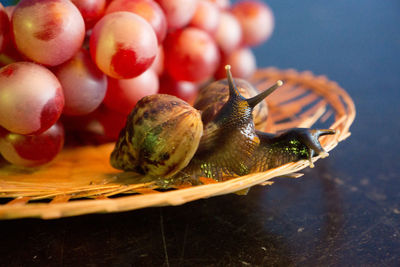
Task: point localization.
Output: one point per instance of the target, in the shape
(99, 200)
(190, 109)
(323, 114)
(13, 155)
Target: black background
(344, 212)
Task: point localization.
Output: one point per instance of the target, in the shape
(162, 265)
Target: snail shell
(161, 135)
(212, 97)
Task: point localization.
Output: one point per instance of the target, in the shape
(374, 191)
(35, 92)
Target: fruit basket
(81, 181)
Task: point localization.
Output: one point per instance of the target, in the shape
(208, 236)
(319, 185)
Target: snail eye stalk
(253, 101)
(261, 96)
(233, 91)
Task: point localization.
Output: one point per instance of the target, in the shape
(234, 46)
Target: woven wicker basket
(81, 181)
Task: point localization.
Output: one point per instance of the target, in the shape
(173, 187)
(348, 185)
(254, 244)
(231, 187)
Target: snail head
(238, 107)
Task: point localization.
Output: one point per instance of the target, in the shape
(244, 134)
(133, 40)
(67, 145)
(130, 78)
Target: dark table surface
(346, 211)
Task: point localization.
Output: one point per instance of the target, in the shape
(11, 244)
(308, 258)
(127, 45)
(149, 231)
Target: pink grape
(122, 95)
(4, 27)
(229, 33)
(84, 85)
(242, 61)
(123, 45)
(147, 9)
(190, 55)
(184, 90)
(256, 20)
(178, 12)
(31, 98)
(32, 150)
(48, 31)
(158, 63)
(206, 17)
(91, 10)
(222, 4)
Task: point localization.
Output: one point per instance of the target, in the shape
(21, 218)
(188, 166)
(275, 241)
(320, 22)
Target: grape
(184, 90)
(178, 12)
(84, 85)
(256, 20)
(31, 98)
(75, 123)
(32, 150)
(102, 125)
(122, 95)
(229, 33)
(158, 63)
(123, 45)
(222, 4)
(190, 55)
(147, 9)
(91, 10)
(243, 64)
(10, 54)
(4, 27)
(111, 123)
(48, 31)
(206, 17)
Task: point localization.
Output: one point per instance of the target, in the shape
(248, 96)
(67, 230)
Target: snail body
(229, 144)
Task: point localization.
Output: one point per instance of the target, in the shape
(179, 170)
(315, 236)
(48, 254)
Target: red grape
(122, 95)
(190, 55)
(4, 27)
(31, 98)
(147, 9)
(243, 64)
(91, 10)
(111, 122)
(123, 45)
(229, 33)
(48, 31)
(32, 150)
(256, 20)
(206, 17)
(84, 85)
(182, 89)
(178, 12)
(102, 125)
(10, 54)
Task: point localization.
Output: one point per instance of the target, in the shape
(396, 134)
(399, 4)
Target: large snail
(168, 140)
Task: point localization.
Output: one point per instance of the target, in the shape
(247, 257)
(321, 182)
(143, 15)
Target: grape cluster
(74, 68)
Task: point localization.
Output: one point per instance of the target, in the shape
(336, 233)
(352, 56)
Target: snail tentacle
(260, 97)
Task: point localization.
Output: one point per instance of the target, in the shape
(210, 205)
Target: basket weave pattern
(81, 180)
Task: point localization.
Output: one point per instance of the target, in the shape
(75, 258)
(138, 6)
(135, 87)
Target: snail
(167, 140)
